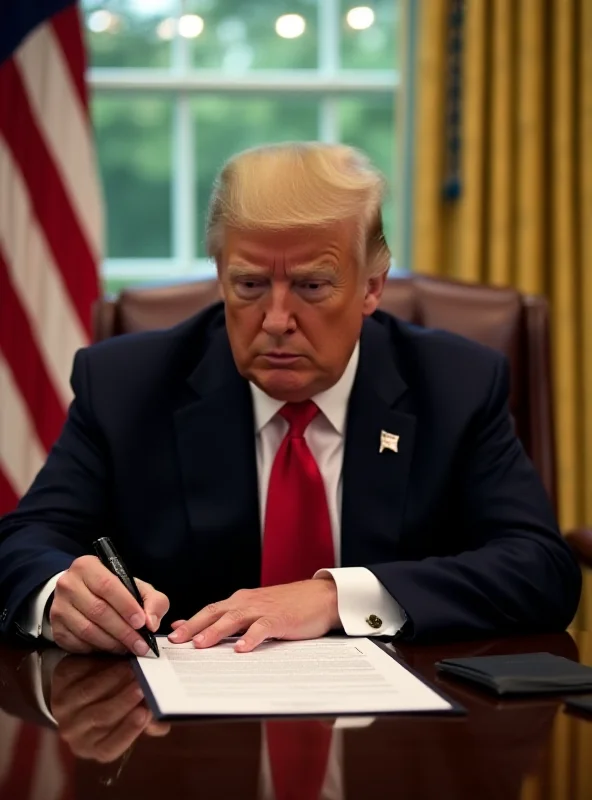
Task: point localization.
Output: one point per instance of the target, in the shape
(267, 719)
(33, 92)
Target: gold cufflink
(374, 621)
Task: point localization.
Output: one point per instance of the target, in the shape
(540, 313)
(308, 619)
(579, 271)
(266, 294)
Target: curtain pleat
(524, 214)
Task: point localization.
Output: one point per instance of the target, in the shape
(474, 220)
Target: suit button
(3, 615)
(374, 621)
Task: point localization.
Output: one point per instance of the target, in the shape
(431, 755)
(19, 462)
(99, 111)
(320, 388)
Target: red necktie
(298, 756)
(297, 539)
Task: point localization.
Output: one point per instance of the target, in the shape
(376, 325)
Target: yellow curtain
(523, 218)
(524, 214)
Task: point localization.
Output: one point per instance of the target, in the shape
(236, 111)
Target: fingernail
(241, 643)
(199, 638)
(140, 647)
(138, 693)
(137, 620)
(153, 621)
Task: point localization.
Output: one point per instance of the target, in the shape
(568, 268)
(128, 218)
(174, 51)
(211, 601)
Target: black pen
(109, 558)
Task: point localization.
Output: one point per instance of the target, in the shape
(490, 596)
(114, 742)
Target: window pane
(369, 125)
(376, 46)
(125, 33)
(134, 147)
(224, 126)
(240, 36)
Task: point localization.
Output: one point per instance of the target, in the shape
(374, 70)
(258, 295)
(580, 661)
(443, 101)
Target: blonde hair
(300, 184)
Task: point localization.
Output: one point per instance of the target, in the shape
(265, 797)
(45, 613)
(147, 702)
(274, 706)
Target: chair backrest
(515, 324)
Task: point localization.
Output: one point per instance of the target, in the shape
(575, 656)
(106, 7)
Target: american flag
(50, 229)
(34, 763)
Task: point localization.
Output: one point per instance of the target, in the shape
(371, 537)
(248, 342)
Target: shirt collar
(332, 402)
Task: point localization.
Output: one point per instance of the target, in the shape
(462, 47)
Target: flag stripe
(17, 783)
(63, 125)
(21, 452)
(50, 230)
(70, 249)
(8, 496)
(68, 30)
(18, 345)
(50, 776)
(36, 279)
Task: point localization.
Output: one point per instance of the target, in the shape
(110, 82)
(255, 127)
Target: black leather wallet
(521, 673)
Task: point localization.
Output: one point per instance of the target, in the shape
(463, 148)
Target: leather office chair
(515, 324)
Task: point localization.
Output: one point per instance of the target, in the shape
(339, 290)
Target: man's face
(295, 302)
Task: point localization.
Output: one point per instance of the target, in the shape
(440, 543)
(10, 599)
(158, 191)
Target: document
(329, 676)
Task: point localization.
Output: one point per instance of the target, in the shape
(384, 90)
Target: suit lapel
(375, 483)
(216, 448)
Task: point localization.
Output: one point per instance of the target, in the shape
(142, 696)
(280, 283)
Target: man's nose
(278, 318)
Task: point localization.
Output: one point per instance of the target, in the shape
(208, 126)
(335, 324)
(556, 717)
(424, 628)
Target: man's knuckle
(212, 608)
(98, 609)
(267, 622)
(85, 630)
(68, 735)
(64, 583)
(236, 615)
(105, 584)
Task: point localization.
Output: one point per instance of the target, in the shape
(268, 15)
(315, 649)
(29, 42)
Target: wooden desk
(512, 749)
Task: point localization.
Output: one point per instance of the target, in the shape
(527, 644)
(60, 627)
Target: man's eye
(312, 286)
(249, 285)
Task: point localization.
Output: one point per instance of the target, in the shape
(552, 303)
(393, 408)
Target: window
(180, 85)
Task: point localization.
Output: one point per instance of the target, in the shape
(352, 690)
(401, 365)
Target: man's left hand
(302, 610)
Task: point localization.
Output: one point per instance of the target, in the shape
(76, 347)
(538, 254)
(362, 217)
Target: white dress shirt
(359, 592)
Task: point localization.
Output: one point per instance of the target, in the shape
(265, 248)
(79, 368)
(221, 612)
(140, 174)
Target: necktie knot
(299, 416)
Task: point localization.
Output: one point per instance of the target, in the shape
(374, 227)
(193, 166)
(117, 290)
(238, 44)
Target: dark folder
(522, 673)
(582, 705)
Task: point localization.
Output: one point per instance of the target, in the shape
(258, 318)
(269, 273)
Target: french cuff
(33, 619)
(365, 607)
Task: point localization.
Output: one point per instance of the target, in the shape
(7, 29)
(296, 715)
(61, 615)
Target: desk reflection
(99, 708)
(109, 746)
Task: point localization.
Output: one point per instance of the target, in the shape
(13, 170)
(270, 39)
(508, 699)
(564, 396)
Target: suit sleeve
(65, 509)
(515, 572)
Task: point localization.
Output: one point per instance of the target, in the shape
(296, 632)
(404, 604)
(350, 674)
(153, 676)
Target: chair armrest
(580, 541)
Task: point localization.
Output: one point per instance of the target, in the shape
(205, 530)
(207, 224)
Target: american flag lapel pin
(389, 441)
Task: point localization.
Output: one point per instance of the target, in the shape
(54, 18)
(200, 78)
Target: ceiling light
(290, 26)
(360, 18)
(166, 29)
(100, 21)
(190, 26)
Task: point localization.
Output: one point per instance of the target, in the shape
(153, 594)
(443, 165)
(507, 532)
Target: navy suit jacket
(158, 452)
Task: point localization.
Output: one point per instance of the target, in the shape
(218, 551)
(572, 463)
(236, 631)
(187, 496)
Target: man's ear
(373, 292)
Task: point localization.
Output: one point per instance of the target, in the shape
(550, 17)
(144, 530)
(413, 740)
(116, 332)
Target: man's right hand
(92, 610)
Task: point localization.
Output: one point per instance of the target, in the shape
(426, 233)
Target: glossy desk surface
(511, 749)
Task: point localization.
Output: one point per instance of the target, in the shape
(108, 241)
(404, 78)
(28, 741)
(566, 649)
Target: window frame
(183, 83)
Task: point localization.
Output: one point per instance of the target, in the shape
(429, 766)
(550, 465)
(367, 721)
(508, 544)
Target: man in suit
(292, 461)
